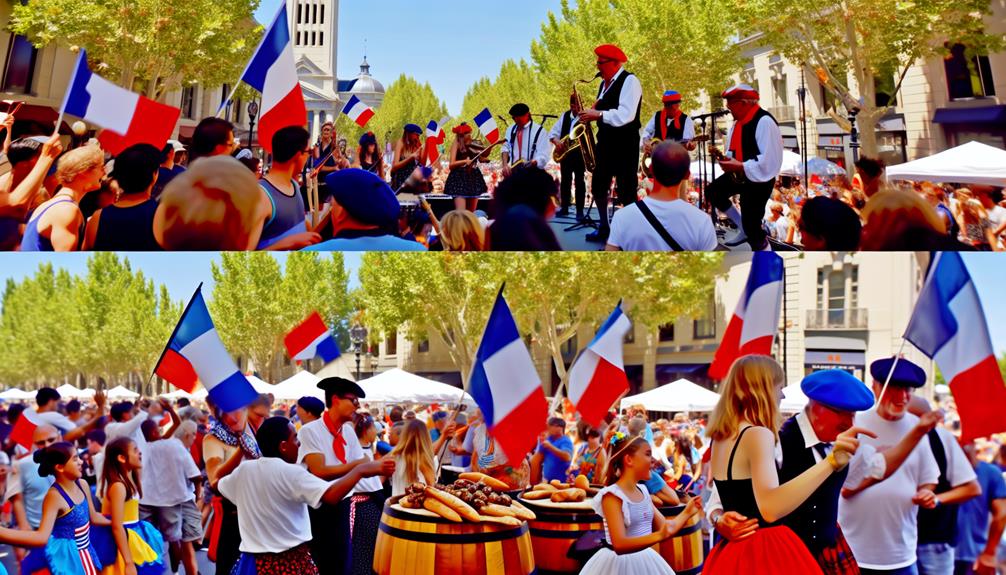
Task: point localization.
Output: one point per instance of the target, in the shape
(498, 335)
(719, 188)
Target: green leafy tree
(856, 47)
(150, 46)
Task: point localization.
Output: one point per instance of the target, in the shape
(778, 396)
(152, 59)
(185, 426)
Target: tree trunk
(867, 125)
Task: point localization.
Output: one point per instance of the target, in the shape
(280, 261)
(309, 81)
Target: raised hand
(847, 443)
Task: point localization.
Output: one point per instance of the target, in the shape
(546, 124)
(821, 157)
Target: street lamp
(358, 335)
(804, 149)
(854, 135)
(252, 112)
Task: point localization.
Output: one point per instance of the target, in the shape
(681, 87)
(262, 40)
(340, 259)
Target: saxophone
(581, 137)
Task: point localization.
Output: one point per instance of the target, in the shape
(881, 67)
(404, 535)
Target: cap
(519, 110)
(906, 373)
(367, 139)
(838, 389)
(176, 145)
(340, 386)
(671, 96)
(740, 91)
(365, 195)
(462, 129)
(611, 52)
(414, 129)
(438, 415)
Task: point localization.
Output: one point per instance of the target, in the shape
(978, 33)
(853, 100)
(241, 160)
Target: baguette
(463, 509)
(581, 482)
(438, 507)
(540, 494)
(497, 511)
(483, 478)
(558, 484)
(505, 520)
(522, 512)
(544, 487)
(573, 495)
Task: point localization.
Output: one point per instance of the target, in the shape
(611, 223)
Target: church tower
(314, 30)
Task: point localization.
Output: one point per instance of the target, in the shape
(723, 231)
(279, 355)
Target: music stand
(587, 222)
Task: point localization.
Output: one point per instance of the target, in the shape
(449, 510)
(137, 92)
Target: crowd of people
(853, 483)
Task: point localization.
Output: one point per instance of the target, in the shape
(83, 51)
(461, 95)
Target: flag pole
(81, 59)
(174, 332)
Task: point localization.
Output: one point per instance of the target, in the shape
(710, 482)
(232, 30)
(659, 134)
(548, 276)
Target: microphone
(715, 114)
(544, 116)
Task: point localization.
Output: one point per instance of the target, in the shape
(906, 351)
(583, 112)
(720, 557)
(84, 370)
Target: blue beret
(906, 373)
(438, 415)
(838, 389)
(365, 195)
(413, 128)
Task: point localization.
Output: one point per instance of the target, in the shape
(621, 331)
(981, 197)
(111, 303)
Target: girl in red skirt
(744, 428)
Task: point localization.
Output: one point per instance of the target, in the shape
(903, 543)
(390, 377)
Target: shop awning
(982, 115)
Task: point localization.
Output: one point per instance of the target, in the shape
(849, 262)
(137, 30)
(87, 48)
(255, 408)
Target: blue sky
(398, 32)
(182, 272)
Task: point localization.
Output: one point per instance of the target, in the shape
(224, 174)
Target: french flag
(487, 126)
(949, 326)
(434, 137)
(273, 72)
(127, 118)
(598, 376)
(358, 111)
(24, 428)
(195, 354)
(311, 339)
(752, 329)
(506, 387)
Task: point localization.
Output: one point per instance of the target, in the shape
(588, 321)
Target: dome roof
(365, 83)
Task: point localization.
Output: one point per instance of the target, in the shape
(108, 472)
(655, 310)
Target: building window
(391, 344)
(705, 327)
(667, 332)
(188, 101)
(321, 38)
(314, 14)
(423, 346)
(19, 73)
(300, 14)
(322, 20)
(630, 336)
(570, 346)
(968, 76)
(314, 36)
(779, 89)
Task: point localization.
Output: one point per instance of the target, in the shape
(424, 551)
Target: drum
(683, 552)
(555, 530)
(419, 543)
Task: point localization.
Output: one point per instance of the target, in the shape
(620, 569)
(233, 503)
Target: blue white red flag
(272, 71)
(598, 377)
(949, 326)
(755, 322)
(487, 126)
(358, 111)
(506, 387)
(312, 339)
(434, 137)
(126, 118)
(195, 354)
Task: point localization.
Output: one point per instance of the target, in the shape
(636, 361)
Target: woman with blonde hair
(744, 430)
(461, 231)
(414, 459)
(58, 224)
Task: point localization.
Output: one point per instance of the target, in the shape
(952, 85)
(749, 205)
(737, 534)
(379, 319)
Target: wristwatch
(716, 520)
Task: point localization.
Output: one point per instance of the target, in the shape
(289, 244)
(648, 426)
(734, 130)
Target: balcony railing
(783, 113)
(837, 318)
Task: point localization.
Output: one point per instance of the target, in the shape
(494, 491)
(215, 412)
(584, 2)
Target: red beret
(611, 52)
(671, 96)
(741, 91)
(462, 129)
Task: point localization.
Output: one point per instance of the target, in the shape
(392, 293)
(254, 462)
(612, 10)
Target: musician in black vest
(617, 115)
(754, 159)
(571, 167)
(670, 123)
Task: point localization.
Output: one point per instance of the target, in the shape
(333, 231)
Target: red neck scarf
(737, 138)
(338, 441)
(663, 122)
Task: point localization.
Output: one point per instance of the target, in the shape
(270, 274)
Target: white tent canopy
(398, 386)
(794, 399)
(177, 394)
(680, 395)
(260, 385)
(971, 163)
(304, 383)
(15, 394)
(120, 392)
(792, 164)
(67, 390)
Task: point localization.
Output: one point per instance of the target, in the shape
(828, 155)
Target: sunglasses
(353, 399)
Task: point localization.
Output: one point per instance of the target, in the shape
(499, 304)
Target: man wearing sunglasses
(617, 115)
(330, 449)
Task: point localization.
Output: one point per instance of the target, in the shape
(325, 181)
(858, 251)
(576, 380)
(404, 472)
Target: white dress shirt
(556, 133)
(687, 135)
(767, 165)
(541, 147)
(628, 101)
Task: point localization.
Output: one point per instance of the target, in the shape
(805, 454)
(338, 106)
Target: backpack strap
(658, 227)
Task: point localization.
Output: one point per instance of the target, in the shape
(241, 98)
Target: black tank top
(127, 229)
(738, 494)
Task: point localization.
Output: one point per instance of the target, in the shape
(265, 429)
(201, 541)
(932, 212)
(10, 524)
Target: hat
(740, 91)
(519, 110)
(906, 373)
(414, 129)
(365, 195)
(671, 96)
(462, 129)
(367, 139)
(176, 145)
(611, 52)
(437, 416)
(341, 386)
(838, 389)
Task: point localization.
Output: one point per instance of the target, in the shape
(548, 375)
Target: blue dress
(69, 550)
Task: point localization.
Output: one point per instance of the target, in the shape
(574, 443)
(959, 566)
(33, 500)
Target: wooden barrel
(554, 531)
(683, 552)
(410, 544)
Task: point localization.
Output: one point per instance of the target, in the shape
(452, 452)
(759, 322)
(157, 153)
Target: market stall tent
(399, 386)
(120, 392)
(680, 395)
(303, 383)
(971, 163)
(67, 390)
(15, 394)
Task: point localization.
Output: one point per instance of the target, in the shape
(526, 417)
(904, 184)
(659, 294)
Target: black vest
(937, 525)
(627, 134)
(673, 134)
(564, 130)
(815, 522)
(749, 141)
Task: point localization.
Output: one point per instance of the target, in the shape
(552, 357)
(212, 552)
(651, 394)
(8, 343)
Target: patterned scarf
(246, 441)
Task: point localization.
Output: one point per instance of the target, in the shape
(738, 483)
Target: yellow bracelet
(834, 462)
